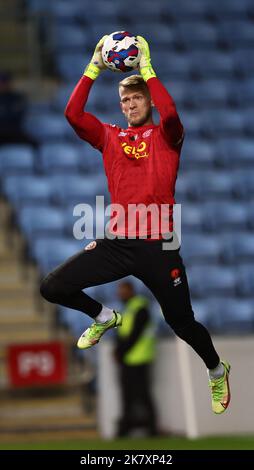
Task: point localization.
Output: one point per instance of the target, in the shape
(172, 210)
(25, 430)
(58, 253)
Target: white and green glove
(145, 66)
(96, 65)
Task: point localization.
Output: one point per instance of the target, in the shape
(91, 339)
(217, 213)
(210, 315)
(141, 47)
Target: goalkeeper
(141, 164)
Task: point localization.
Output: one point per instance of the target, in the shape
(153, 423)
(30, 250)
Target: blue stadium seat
(208, 94)
(243, 179)
(232, 9)
(90, 159)
(202, 311)
(250, 210)
(183, 186)
(197, 154)
(236, 152)
(78, 189)
(160, 38)
(243, 92)
(178, 65)
(62, 96)
(222, 122)
(192, 122)
(98, 30)
(16, 159)
(49, 252)
(38, 6)
(59, 158)
(68, 37)
(238, 248)
(151, 11)
(212, 64)
(70, 65)
(197, 35)
(210, 280)
(211, 185)
(245, 286)
(28, 189)
(235, 33)
(62, 11)
(225, 215)
(248, 119)
(245, 68)
(192, 218)
(47, 126)
(177, 89)
(197, 248)
(102, 96)
(43, 220)
(184, 10)
(230, 315)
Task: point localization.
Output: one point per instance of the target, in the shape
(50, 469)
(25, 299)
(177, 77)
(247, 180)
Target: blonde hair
(134, 81)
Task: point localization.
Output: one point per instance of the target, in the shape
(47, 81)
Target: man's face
(125, 292)
(136, 105)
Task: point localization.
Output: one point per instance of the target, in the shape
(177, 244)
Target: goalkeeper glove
(96, 65)
(145, 65)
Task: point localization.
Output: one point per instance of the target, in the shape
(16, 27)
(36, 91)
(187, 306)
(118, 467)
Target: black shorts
(162, 271)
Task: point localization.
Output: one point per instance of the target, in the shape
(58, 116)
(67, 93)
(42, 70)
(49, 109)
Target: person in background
(12, 110)
(135, 353)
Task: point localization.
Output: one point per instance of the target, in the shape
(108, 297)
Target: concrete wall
(181, 389)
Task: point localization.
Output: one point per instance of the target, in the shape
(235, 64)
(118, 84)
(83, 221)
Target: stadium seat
(197, 34)
(245, 286)
(202, 311)
(192, 122)
(68, 38)
(184, 10)
(222, 122)
(236, 152)
(59, 158)
(28, 189)
(43, 220)
(70, 65)
(192, 218)
(199, 248)
(16, 159)
(243, 179)
(47, 126)
(208, 94)
(212, 64)
(49, 252)
(228, 10)
(211, 185)
(178, 65)
(197, 154)
(238, 248)
(207, 280)
(224, 216)
(236, 32)
(77, 189)
(231, 316)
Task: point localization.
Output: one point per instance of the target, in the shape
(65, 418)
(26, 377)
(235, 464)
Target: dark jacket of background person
(13, 106)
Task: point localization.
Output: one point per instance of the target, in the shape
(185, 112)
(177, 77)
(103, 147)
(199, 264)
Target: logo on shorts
(91, 245)
(175, 274)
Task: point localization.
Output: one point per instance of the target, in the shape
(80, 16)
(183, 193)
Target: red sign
(37, 364)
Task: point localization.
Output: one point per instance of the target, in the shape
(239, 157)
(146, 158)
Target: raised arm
(170, 123)
(87, 126)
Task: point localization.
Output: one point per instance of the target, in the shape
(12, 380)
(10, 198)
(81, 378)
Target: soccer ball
(120, 52)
